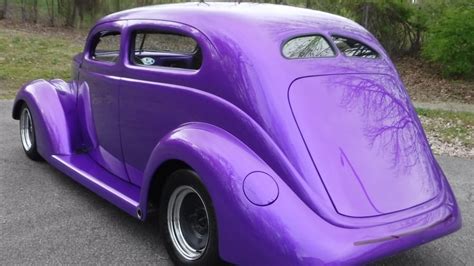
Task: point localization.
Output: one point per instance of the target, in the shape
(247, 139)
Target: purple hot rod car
(260, 134)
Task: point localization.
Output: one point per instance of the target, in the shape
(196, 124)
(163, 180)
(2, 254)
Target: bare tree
(366, 15)
(23, 10)
(34, 11)
(29, 10)
(50, 7)
(3, 10)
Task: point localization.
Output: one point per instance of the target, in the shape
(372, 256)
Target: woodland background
(442, 30)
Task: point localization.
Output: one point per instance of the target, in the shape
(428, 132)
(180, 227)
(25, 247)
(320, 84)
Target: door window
(106, 47)
(158, 49)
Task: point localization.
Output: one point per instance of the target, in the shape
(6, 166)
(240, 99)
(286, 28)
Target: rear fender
(222, 162)
(286, 231)
(53, 107)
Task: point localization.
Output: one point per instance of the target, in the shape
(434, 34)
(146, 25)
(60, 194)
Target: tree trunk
(71, 18)
(366, 15)
(3, 10)
(23, 11)
(34, 18)
(50, 8)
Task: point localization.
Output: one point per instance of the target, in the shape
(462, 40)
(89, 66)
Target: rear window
(353, 48)
(309, 46)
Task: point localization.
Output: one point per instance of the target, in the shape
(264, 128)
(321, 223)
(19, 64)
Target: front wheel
(187, 221)
(27, 134)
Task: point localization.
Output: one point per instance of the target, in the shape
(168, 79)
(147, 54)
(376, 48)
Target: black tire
(188, 179)
(30, 150)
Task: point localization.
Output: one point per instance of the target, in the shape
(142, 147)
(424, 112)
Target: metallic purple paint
(355, 177)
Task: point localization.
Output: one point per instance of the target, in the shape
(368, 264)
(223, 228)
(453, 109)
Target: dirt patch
(449, 133)
(40, 30)
(425, 84)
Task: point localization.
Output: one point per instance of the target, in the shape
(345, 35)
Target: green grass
(450, 127)
(26, 56)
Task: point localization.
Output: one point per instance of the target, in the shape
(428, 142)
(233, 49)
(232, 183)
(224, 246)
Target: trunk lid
(366, 142)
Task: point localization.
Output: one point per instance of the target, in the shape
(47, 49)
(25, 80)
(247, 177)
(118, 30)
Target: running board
(85, 170)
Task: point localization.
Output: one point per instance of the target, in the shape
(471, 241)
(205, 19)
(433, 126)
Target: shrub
(450, 42)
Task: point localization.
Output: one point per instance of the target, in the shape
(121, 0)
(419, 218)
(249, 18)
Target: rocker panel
(85, 170)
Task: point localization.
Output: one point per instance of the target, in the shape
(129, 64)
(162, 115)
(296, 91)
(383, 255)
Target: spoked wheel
(27, 134)
(187, 221)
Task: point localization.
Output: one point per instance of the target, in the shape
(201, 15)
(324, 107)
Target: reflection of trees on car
(390, 123)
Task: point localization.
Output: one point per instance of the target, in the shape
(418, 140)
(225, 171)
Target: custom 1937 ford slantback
(261, 134)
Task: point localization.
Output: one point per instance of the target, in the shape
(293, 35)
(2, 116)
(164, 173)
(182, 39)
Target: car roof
(255, 33)
(219, 17)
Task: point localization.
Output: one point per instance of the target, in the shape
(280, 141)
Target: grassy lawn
(449, 133)
(26, 56)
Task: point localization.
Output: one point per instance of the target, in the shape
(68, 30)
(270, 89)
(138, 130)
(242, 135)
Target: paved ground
(46, 218)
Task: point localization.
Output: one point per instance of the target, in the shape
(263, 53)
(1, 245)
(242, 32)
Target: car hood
(366, 142)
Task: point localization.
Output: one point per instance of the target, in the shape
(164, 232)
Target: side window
(310, 46)
(160, 49)
(353, 48)
(106, 47)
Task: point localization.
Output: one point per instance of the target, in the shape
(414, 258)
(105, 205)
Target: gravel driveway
(46, 218)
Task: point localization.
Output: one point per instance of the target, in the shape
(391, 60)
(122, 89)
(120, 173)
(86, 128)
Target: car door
(101, 73)
(162, 68)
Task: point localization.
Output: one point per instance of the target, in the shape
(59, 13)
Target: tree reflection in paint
(391, 125)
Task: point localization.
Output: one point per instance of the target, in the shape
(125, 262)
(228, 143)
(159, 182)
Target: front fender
(52, 104)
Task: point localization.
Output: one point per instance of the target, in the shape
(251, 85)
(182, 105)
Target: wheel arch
(17, 109)
(158, 180)
(51, 104)
(222, 163)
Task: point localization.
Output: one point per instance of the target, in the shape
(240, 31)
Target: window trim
(131, 49)
(330, 43)
(95, 42)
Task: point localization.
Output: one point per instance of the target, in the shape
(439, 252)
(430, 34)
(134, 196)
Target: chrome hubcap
(188, 222)
(26, 129)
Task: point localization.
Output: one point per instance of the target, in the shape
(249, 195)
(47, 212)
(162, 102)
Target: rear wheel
(187, 221)
(27, 134)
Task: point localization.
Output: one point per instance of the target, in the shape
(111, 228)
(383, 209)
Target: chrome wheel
(26, 130)
(188, 222)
